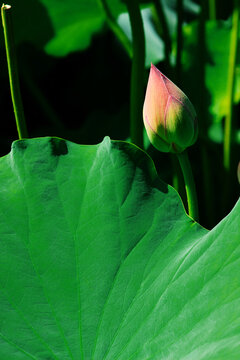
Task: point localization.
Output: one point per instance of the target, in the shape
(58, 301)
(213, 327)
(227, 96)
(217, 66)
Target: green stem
(212, 10)
(137, 75)
(165, 30)
(231, 80)
(177, 179)
(179, 41)
(203, 115)
(13, 71)
(116, 29)
(189, 185)
(201, 68)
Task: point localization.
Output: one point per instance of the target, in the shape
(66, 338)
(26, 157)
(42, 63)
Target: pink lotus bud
(169, 117)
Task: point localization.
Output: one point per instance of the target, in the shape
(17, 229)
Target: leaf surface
(98, 260)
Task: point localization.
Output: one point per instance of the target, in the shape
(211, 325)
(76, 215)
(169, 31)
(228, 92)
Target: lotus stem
(112, 23)
(202, 114)
(189, 185)
(137, 75)
(179, 41)
(231, 81)
(13, 72)
(212, 9)
(165, 30)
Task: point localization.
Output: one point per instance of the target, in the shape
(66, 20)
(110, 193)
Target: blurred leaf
(170, 10)
(216, 133)
(31, 23)
(154, 44)
(218, 39)
(116, 7)
(60, 27)
(74, 23)
(188, 5)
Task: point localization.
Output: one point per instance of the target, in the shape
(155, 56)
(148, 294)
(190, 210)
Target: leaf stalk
(179, 41)
(189, 185)
(165, 30)
(116, 29)
(13, 71)
(231, 82)
(137, 75)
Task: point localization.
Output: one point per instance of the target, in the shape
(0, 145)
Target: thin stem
(202, 115)
(112, 23)
(179, 41)
(165, 30)
(13, 71)
(189, 185)
(137, 76)
(231, 81)
(212, 9)
(202, 49)
(177, 179)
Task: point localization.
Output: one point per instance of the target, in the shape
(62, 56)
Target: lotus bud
(169, 117)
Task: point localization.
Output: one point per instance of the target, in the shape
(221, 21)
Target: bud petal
(169, 117)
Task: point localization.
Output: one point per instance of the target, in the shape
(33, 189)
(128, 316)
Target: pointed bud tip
(156, 70)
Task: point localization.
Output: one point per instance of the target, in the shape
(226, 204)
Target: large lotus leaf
(98, 260)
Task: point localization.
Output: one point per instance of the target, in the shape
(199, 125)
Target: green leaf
(116, 7)
(154, 44)
(217, 41)
(74, 23)
(60, 27)
(98, 260)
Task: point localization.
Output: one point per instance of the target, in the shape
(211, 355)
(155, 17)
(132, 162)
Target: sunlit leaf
(98, 260)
